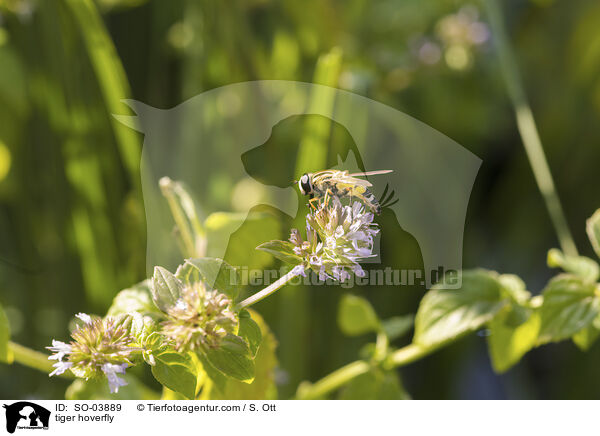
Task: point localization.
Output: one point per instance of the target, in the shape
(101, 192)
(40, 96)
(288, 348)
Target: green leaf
(446, 314)
(515, 288)
(586, 337)
(593, 231)
(397, 326)
(374, 385)
(177, 371)
(263, 387)
(217, 380)
(282, 250)
(166, 289)
(570, 304)
(507, 343)
(232, 358)
(580, 266)
(6, 355)
(218, 274)
(138, 299)
(250, 331)
(356, 316)
(97, 389)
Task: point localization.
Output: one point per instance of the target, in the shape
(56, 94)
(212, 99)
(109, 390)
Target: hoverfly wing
(371, 173)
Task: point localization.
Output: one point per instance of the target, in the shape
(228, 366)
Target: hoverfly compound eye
(304, 184)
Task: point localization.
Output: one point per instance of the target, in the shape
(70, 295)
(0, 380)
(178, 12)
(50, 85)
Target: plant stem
(33, 359)
(528, 130)
(185, 217)
(345, 374)
(332, 381)
(273, 287)
(406, 355)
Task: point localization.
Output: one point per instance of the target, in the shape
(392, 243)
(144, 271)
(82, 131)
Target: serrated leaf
(6, 355)
(515, 288)
(218, 274)
(218, 381)
(570, 304)
(580, 266)
(263, 387)
(356, 316)
(250, 331)
(138, 299)
(232, 358)
(593, 231)
(166, 289)
(445, 314)
(508, 343)
(184, 273)
(177, 371)
(282, 250)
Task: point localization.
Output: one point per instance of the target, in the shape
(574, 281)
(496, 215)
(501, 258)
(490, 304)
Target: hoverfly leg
(311, 202)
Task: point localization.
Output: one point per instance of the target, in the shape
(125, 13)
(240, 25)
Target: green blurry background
(72, 223)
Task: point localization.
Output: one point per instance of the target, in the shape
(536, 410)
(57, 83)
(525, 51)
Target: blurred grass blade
(312, 153)
(111, 78)
(312, 156)
(528, 129)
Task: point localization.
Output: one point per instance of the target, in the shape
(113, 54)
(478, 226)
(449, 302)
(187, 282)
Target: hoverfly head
(305, 184)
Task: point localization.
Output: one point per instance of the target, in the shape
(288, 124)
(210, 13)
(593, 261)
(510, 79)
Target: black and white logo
(26, 415)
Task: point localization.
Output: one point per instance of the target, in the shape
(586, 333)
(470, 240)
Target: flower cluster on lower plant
(100, 347)
(199, 318)
(188, 315)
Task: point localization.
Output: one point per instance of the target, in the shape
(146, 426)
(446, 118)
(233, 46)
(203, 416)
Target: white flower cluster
(99, 347)
(338, 237)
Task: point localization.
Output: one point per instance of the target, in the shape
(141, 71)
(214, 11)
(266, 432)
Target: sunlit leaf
(166, 289)
(282, 250)
(137, 298)
(250, 331)
(580, 266)
(445, 314)
(177, 371)
(507, 342)
(570, 304)
(232, 358)
(265, 362)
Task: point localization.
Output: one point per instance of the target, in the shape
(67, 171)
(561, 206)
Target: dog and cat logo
(26, 415)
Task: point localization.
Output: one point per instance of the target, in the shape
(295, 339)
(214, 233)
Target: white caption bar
(280, 417)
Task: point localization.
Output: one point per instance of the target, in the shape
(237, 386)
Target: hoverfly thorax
(305, 184)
